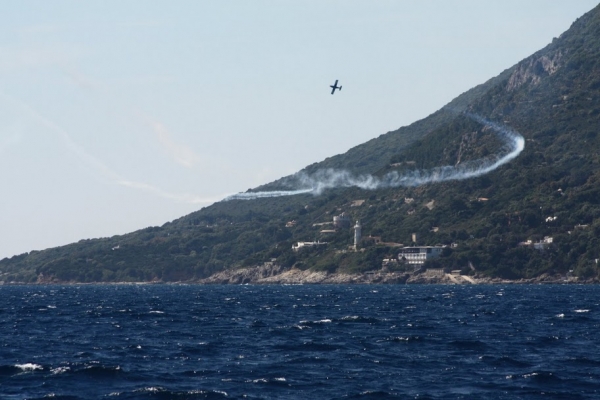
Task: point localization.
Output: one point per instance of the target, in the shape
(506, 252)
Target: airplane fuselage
(335, 86)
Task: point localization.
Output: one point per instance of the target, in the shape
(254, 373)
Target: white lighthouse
(357, 234)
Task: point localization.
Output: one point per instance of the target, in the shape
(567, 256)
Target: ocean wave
(60, 370)
(369, 346)
(318, 322)
(358, 319)
(159, 392)
(402, 339)
(29, 367)
(100, 371)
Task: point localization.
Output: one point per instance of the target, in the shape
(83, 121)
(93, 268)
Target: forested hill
(551, 190)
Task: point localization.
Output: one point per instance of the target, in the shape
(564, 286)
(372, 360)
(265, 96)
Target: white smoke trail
(260, 195)
(88, 159)
(514, 143)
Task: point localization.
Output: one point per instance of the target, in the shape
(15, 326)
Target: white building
(341, 221)
(418, 255)
(543, 244)
(301, 245)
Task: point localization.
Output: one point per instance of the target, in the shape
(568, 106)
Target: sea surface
(300, 342)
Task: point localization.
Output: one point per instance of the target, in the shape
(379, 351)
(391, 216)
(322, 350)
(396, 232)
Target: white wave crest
(29, 367)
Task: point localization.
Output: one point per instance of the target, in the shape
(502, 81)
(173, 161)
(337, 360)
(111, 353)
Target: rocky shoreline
(277, 275)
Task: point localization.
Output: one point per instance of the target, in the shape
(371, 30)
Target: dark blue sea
(300, 342)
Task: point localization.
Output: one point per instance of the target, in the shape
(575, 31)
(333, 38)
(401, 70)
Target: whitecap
(560, 315)
(533, 374)
(581, 311)
(157, 312)
(323, 321)
(29, 367)
(151, 389)
(280, 379)
(60, 370)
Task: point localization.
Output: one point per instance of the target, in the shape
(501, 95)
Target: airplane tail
(340, 88)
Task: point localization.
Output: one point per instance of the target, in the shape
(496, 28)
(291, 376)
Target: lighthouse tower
(357, 234)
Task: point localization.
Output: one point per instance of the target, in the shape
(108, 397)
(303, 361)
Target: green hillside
(552, 189)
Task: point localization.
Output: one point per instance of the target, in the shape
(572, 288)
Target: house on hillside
(303, 245)
(541, 245)
(418, 255)
(342, 221)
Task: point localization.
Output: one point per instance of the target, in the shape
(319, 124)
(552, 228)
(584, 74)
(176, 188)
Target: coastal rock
(275, 274)
(243, 275)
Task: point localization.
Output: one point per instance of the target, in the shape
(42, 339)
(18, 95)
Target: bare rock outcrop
(534, 69)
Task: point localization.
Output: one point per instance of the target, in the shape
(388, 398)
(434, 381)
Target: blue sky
(118, 115)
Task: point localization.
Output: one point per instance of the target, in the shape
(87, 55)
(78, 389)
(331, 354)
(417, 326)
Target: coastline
(277, 275)
(264, 275)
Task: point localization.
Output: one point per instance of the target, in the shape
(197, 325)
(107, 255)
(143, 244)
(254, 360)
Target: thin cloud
(88, 159)
(181, 154)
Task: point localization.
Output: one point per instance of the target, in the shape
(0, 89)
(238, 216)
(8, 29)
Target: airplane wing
(334, 86)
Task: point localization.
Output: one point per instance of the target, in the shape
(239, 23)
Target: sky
(119, 115)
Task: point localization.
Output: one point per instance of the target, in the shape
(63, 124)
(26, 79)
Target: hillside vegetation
(552, 189)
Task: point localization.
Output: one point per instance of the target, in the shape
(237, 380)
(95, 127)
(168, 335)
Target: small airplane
(335, 86)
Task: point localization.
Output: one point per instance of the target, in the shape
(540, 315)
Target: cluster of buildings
(412, 255)
(416, 255)
(541, 245)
